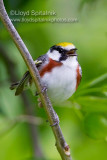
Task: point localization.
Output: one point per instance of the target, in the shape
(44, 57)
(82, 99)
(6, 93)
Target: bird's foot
(42, 91)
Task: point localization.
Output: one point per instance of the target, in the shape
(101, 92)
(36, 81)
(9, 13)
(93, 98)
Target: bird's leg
(56, 122)
(37, 93)
(42, 91)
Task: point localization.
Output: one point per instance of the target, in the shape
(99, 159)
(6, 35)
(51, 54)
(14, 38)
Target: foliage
(83, 118)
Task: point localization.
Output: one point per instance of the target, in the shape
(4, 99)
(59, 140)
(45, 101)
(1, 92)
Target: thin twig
(20, 119)
(61, 144)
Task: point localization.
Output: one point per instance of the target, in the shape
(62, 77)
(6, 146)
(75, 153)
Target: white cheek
(55, 55)
(70, 62)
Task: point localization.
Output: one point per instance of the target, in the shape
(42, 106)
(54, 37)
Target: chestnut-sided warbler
(59, 70)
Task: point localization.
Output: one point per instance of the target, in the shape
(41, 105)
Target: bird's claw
(42, 91)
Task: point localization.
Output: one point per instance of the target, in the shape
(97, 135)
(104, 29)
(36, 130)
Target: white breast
(61, 81)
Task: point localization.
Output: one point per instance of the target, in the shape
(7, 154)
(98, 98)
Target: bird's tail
(14, 85)
(19, 86)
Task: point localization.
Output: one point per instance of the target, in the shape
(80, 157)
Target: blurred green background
(24, 132)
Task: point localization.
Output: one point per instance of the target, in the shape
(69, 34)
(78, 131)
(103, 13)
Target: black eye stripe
(58, 48)
(62, 51)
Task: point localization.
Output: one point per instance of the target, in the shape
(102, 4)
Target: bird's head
(62, 52)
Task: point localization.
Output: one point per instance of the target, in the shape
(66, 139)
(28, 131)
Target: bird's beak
(72, 52)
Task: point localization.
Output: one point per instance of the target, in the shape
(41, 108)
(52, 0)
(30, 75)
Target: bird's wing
(27, 77)
(41, 61)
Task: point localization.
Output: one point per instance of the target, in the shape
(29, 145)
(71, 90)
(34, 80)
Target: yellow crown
(64, 44)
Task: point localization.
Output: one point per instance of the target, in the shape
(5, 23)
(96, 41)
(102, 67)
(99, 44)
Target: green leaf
(96, 81)
(100, 91)
(92, 104)
(95, 125)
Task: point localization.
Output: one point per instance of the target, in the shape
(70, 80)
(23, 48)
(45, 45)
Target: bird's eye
(60, 50)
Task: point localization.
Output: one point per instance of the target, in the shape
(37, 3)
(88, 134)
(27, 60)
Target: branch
(20, 119)
(61, 144)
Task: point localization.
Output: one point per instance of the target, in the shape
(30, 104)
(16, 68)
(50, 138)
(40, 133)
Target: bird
(59, 71)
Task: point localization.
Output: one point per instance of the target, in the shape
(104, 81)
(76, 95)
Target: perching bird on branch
(59, 70)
